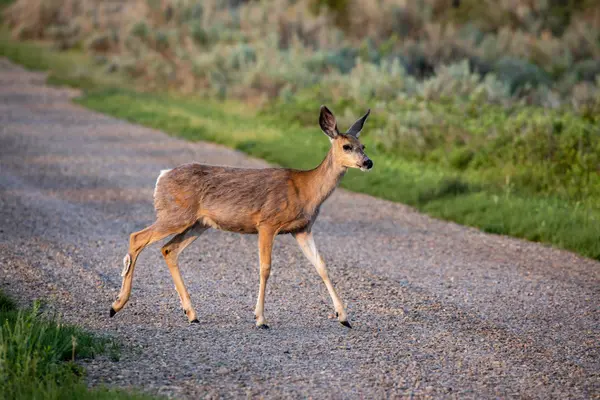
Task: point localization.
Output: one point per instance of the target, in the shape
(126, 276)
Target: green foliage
(38, 354)
(161, 40)
(141, 30)
(587, 70)
(241, 56)
(520, 73)
(198, 33)
(5, 3)
(100, 42)
(339, 8)
(538, 50)
(459, 82)
(460, 157)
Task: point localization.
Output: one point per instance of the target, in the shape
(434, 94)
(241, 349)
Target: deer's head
(347, 149)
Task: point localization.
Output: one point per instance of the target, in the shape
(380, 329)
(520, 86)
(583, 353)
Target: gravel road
(438, 309)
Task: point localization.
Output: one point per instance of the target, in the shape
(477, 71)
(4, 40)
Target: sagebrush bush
(265, 47)
(368, 82)
(457, 80)
(518, 74)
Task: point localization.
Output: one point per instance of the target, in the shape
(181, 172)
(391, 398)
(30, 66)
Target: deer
(192, 198)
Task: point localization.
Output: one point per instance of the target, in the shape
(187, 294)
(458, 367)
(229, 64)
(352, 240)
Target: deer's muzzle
(367, 164)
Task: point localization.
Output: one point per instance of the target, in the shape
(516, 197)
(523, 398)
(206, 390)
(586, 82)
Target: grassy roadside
(434, 190)
(37, 357)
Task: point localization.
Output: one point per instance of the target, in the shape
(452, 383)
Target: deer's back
(232, 199)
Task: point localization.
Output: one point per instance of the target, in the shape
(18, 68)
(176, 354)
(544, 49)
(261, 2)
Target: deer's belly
(249, 227)
(242, 221)
(238, 225)
(295, 226)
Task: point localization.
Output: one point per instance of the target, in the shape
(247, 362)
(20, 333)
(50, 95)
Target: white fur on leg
(126, 264)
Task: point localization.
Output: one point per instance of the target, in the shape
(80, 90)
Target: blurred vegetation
(261, 48)
(38, 357)
(484, 112)
(542, 52)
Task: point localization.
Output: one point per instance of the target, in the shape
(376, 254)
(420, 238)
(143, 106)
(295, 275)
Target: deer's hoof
(112, 312)
(346, 324)
(263, 326)
(194, 321)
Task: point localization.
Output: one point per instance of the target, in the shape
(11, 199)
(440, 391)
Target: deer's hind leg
(170, 252)
(137, 242)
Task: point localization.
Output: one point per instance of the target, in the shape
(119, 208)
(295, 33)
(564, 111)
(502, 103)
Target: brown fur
(193, 197)
(242, 200)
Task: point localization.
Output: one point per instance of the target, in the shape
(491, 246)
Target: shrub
(99, 43)
(519, 73)
(368, 82)
(240, 57)
(587, 70)
(140, 29)
(161, 41)
(424, 37)
(585, 97)
(457, 80)
(198, 33)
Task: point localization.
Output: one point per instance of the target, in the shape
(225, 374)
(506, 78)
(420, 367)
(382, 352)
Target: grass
(433, 189)
(38, 357)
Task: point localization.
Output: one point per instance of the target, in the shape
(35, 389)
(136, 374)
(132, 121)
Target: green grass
(431, 188)
(38, 357)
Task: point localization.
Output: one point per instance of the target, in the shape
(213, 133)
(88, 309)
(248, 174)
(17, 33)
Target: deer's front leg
(265, 245)
(307, 244)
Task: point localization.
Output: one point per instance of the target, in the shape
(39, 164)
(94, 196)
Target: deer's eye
(347, 147)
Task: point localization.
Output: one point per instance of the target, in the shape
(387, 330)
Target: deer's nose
(368, 164)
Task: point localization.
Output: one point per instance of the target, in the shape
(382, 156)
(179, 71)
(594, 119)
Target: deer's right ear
(328, 123)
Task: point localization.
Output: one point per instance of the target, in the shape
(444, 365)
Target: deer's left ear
(358, 125)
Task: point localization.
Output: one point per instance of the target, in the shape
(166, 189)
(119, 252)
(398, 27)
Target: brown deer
(191, 198)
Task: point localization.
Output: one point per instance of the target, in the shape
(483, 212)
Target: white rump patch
(126, 264)
(162, 172)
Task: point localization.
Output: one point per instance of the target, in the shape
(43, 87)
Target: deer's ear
(358, 125)
(328, 123)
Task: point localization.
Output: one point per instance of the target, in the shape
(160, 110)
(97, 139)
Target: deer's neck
(322, 181)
